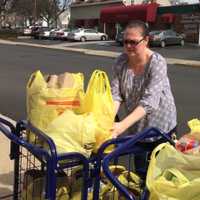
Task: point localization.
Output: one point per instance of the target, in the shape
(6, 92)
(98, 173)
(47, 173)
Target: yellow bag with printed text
(98, 100)
(173, 175)
(77, 122)
(44, 104)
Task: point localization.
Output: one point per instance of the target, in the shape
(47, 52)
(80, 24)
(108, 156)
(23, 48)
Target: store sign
(190, 23)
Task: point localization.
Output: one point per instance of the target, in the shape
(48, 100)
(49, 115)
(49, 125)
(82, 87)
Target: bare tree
(52, 9)
(34, 10)
(25, 9)
(5, 5)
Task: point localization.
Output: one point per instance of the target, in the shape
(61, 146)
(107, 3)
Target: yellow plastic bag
(34, 186)
(127, 178)
(98, 100)
(194, 125)
(173, 175)
(44, 104)
(73, 132)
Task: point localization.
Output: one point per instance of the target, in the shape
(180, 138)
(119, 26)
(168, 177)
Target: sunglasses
(132, 42)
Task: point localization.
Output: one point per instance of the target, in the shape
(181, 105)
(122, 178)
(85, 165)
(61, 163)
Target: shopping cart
(96, 173)
(32, 159)
(126, 184)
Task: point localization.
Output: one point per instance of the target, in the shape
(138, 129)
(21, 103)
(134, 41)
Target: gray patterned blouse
(150, 90)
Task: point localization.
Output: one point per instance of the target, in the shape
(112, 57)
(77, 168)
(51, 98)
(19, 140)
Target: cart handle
(10, 132)
(147, 133)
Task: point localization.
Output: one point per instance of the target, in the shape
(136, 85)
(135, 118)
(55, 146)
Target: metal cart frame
(129, 147)
(50, 158)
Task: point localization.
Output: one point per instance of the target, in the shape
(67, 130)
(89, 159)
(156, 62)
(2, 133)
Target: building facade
(110, 16)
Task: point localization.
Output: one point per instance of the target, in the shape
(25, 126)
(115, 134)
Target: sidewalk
(111, 54)
(6, 166)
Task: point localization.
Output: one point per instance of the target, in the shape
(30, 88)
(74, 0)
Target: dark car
(165, 37)
(119, 38)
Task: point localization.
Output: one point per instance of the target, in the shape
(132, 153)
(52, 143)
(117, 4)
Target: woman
(140, 81)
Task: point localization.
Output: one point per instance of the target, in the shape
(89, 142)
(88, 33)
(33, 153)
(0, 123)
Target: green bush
(8, 34)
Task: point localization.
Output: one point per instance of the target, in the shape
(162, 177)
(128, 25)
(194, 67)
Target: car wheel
(182, 42)
(82, 39)
(103, 38)
(162, 44)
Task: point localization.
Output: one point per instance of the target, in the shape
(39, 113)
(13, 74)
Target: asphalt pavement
(174, 55)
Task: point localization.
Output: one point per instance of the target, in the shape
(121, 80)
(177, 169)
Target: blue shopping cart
(31, 159)
(126, 184)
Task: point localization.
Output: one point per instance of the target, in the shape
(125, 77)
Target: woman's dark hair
(139, 24)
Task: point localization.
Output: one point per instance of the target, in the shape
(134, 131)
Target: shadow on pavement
(6, 179)
(5, 194)
(6, 185)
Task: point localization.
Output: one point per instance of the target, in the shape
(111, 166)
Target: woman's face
(134, 42)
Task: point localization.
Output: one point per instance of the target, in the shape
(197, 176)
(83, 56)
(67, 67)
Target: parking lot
(189, 51)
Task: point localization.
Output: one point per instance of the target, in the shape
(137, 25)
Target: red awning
(168, 18)
(122, 13)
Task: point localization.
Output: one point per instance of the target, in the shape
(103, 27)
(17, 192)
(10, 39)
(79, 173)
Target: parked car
(119, 38)
(45, 33)
(54, 33)
(36, 33)
(86, 34)
(64, 34)
(59, 34)
(27, 31)
(165, 37)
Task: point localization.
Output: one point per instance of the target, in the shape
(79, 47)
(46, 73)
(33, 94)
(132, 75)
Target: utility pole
(35, 11)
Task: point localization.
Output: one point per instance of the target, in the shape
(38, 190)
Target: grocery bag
(173, 175)
(98, 100)
(128, 179)
(72, 132)
(190, 142)
(46, 102)
(34, 186)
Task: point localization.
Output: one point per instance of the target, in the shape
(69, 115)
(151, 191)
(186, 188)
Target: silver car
(86, 34)
(165, 37)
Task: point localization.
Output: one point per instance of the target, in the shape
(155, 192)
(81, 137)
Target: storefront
(116, 17)
(184, 19)
(87, 14)
(111, 16)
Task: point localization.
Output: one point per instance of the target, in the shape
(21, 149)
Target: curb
(110, 54)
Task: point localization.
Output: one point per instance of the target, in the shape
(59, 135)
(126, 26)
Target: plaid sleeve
(155, 86)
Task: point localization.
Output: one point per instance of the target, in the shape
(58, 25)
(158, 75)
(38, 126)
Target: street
(18, 62)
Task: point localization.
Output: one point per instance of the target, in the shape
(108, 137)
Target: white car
(64, 34)
(54, 33)
(45, 33)
(27, 31)
(86, 34)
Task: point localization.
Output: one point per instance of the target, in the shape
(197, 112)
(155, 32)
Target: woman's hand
(117, 129)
